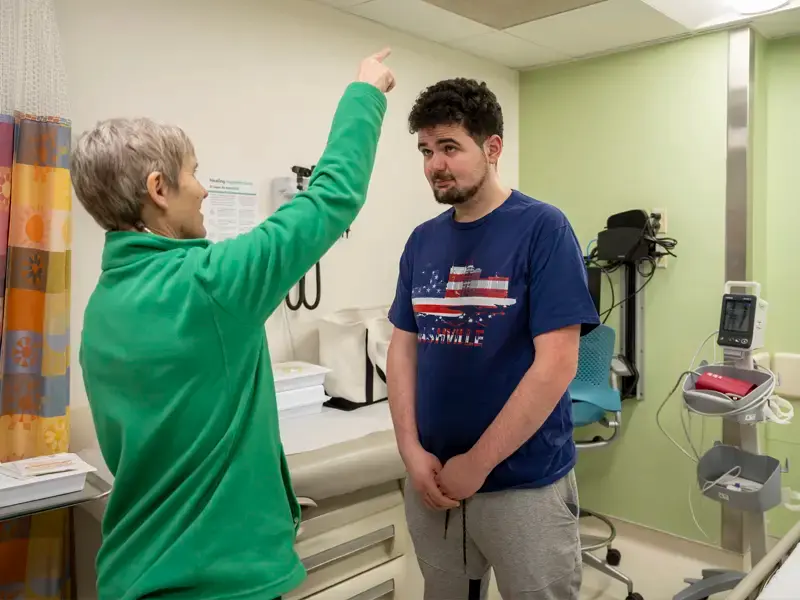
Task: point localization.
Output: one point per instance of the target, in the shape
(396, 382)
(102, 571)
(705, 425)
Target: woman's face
(183, 204)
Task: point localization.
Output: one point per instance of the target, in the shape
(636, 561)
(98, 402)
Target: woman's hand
(374, 72)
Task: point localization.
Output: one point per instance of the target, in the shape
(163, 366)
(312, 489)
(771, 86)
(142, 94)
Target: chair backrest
(595, 355)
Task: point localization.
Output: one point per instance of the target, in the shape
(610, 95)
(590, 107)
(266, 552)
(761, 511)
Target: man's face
(456, 166)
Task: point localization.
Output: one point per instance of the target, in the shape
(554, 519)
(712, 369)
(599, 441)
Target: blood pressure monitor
(743, 319)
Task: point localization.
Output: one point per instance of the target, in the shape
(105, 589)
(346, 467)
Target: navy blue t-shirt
(477, 294)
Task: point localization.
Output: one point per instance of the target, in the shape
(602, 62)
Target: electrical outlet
(661, 263)
(661, 212)
(282, 190)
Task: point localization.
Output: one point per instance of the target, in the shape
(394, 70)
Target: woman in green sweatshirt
(175, 359)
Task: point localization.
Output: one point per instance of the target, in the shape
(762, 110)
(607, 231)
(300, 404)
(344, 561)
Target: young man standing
(491, 302)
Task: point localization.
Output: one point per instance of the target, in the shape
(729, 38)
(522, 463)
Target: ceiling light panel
(600, 28)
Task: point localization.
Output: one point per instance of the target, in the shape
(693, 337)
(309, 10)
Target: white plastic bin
(297, 375)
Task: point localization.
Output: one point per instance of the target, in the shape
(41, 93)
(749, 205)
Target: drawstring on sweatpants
(463, 506)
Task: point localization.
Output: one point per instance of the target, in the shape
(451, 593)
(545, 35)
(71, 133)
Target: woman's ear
(157, 189)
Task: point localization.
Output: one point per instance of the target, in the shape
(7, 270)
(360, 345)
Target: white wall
(255, 84)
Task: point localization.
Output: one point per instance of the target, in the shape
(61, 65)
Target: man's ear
(493, 147)
(157, 189)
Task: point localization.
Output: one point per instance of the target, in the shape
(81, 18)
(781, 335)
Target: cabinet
(386, 582)
(356, 544)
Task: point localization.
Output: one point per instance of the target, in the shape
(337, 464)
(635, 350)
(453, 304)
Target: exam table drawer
(348, 537)
(386, 582)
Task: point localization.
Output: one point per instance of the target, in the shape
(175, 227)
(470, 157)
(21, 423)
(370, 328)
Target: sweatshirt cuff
(360, 89)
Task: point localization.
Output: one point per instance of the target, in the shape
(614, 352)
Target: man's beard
(454, 196)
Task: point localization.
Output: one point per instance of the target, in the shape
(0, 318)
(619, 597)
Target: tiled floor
(656, 562)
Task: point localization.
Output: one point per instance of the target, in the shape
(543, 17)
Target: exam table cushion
(347, 467)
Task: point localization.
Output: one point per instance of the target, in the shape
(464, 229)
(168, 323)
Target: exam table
(777, 575)
(347, 473)
(353, 538)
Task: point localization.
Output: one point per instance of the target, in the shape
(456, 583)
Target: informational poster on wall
(231, 208)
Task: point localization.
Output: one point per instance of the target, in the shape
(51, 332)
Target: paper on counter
(42, 466)
(331, 427)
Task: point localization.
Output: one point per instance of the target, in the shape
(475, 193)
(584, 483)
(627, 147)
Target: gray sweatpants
(529, 538)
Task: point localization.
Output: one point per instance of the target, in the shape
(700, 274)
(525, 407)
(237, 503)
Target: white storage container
(17, 491)
(297, 375)
(301, 402)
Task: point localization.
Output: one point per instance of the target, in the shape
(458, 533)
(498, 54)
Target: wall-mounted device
(623, 239)
(303, 175)
(283, 189)
(630, 243)
(743, 319)
(630, 236)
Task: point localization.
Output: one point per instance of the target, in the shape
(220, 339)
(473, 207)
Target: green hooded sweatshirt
(178, 375)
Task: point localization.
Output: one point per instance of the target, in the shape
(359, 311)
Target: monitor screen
(736, 318)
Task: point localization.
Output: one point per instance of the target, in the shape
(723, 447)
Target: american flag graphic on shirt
(465, 300)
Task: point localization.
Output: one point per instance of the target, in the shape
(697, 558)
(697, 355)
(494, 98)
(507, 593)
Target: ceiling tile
(342, 3)
(508, 50)
(420, 18)
(779, 24)
(502, 14)
(600, 27)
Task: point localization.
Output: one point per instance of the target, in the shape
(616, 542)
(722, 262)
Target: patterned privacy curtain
(35, 201)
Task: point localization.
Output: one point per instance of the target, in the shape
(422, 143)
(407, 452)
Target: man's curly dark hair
(459, 101)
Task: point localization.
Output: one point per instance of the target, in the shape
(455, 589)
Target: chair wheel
(634, 596)
(613, 558)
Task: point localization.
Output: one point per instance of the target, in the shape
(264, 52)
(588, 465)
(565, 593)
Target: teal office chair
(596, 402)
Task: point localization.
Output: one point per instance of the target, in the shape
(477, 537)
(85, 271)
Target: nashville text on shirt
(450, 336)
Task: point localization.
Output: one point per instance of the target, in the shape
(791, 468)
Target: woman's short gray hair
(110, 165)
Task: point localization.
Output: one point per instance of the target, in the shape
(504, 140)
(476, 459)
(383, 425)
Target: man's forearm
(401, 380)
(526, 410)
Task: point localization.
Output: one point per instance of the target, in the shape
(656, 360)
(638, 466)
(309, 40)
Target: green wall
(757, 260)
(647, 129)
(783, 190)
(778, 198)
